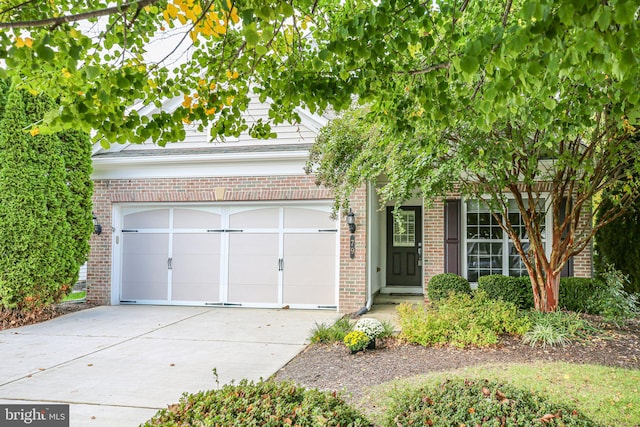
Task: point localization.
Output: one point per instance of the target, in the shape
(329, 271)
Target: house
(240, 224)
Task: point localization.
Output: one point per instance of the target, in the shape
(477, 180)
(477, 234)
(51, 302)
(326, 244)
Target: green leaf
(91, 72)
(625, 11)
(604, 20)
(251, 35)
(550, 103)
(45, 52)
(287, 10)
(123, 82)
(469, 64)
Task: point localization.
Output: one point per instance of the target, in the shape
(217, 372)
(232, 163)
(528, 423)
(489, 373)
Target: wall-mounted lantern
(97, 228)
(351, 221)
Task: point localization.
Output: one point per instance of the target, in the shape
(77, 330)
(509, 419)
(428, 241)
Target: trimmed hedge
(576, 293)
(617, 243)
(263, 403)
(479, 402)
(516, 290)
(441, 285)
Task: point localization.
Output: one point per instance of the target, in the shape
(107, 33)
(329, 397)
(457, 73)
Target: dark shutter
(452, 239)
(567, 270)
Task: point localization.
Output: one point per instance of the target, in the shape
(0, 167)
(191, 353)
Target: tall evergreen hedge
(618, 243)
(44, 227)
(76, 152)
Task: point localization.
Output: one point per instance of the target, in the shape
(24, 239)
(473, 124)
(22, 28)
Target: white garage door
(259, 256)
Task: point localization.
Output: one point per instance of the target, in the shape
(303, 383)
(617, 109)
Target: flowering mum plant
(372, 327)
(356, 340)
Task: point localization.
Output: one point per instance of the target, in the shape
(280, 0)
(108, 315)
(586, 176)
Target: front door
(404, 247)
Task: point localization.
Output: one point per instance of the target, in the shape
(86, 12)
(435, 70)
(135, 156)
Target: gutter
(370, 212)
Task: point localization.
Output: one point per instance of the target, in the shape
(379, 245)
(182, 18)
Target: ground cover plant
(606, 395)
(556, 328)
(478, 402)
(263, 403)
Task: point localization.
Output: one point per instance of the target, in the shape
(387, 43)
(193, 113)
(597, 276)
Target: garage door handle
(280, 264)
(169, 261)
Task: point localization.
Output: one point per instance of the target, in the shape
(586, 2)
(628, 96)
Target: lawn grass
(609, 396)
(74, 296)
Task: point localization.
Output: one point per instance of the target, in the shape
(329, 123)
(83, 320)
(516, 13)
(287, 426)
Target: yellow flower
(20, 42)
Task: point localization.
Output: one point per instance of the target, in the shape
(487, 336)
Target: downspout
(369, 255)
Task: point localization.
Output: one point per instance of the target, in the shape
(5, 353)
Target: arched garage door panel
(253, 268)
(144, 266)
(196, 267)
(309, 269)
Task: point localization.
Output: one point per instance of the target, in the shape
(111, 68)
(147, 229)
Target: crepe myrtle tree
(509, 102)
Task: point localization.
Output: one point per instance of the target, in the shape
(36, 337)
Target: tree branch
(78, 17)
(426, 70)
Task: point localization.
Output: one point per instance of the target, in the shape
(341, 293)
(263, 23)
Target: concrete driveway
(116, 366)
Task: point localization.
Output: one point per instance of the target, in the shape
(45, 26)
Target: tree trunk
(546, 291)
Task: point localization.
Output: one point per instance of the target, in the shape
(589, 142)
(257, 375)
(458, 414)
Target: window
(404, 234)
(488, 249)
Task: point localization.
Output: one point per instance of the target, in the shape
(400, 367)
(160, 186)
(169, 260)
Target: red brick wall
(353, 272)
(433, 226)
(583, 262)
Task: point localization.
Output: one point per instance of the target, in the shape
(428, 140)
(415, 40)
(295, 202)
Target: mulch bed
(15, 318)
(332, 367)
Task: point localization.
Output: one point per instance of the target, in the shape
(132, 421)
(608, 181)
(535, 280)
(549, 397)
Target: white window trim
(463, 224)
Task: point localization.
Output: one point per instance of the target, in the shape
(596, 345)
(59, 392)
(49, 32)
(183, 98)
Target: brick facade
(433, 226)
(353, 292)
(352, 272)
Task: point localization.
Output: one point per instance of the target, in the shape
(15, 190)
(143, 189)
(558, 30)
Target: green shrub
(612, 301)
(323, 332)
(264, 403)
(576, 293)
(556, 328)
(481, 402)
(512, 289)
(461, 320)
(441, 285)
